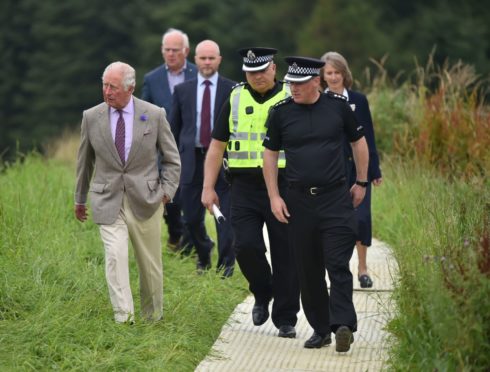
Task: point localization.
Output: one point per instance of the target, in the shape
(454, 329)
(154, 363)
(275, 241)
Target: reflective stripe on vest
(247, 128)
(253, 155)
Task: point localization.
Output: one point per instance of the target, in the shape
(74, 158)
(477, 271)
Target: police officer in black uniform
(311, 126)
(240, 129)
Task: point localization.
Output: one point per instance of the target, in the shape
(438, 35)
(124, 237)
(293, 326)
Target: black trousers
(175, 222)
(323, 234)
(173, 218)
(194, 217)
(250, 210)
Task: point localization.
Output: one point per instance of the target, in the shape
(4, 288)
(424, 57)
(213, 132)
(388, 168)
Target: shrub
(438, 117)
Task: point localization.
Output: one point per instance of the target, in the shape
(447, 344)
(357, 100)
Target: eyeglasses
(173, 50)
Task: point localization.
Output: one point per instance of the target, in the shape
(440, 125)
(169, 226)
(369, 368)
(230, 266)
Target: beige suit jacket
(102, 176)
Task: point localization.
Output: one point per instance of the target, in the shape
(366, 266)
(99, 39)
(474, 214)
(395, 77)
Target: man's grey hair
(129, 74)
(176, 31)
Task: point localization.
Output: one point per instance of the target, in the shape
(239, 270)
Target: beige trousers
(145, 237)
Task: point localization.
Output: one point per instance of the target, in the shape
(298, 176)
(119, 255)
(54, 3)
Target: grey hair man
(116, 172)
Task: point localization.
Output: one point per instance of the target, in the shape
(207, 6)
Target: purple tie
(120, 136)
(205, 134)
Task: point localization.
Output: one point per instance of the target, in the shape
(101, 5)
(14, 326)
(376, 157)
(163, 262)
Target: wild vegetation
(55, 312)
(433, 210)
(53, 53)
(438, 117)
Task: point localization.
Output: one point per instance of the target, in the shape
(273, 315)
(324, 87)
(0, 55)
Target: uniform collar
(345, 93)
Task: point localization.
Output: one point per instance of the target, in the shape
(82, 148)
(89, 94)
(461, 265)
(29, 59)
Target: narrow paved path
(243, 347)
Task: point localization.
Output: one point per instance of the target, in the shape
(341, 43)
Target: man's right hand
(166, 199)
(81, 212)
(208, 198)
(279, 209)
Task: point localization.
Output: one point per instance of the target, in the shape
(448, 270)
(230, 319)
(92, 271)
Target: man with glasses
(158, 87)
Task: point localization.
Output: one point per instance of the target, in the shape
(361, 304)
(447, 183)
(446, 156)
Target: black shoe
(202, 267)
(343, 339)
(174, 244)
(226, 271)
(187, 250)
(316, 341)
(365, 281)
(287, 331)
(260, 313)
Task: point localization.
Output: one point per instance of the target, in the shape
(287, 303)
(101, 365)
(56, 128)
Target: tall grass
(434, 210)
(54, 304)
(436, 117)
(439, 232)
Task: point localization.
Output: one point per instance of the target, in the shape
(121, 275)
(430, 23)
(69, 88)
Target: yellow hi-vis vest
(247, 128)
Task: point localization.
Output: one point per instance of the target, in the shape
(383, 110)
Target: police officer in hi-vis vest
(240, 130)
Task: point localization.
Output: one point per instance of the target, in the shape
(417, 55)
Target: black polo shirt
(312, 137)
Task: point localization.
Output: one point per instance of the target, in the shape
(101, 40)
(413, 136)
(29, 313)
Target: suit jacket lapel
(219, 99)
(192, 94)
(104, 122)
(163, 84)
(139, 129)
(188, 72)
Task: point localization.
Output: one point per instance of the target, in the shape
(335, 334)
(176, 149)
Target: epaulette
(282, 102)
(238, 84)
(336, 95)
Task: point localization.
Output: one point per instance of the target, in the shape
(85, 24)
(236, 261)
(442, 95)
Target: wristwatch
(362, 183)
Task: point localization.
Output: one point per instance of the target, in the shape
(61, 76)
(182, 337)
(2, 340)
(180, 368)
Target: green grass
(433, 210)
(55, 312)
(439, 232)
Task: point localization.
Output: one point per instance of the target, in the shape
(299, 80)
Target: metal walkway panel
(241, 346)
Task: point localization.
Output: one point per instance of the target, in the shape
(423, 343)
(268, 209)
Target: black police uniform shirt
(313, 137)
(221, 130)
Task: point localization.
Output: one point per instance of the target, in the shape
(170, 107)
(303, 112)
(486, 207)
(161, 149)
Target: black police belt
(316, 190)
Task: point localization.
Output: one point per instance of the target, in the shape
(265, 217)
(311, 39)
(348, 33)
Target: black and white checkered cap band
(257, 63)
(298, 74)
(258, 60)
(297, 70)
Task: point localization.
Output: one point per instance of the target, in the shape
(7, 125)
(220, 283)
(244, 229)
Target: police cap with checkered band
(302, 69)
(256, 58)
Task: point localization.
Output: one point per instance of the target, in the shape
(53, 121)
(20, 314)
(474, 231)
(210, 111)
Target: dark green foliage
(348, 27)
(53, 54)
(457, 30)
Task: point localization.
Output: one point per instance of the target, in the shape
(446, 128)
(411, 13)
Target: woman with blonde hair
(337, 77)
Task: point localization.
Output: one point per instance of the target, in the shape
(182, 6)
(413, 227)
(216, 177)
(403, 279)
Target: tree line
(53, 53)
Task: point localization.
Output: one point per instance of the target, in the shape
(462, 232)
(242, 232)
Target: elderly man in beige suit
(120, 140)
